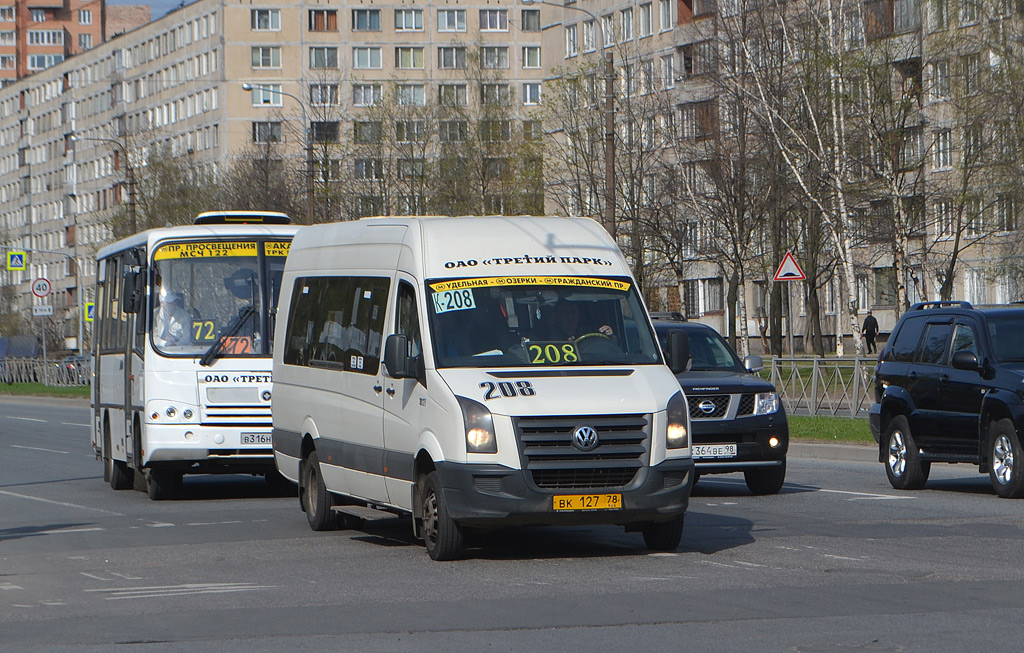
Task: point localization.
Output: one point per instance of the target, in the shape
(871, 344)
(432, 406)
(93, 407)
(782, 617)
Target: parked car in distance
(738, 422)
(949, 388)
(76, 368)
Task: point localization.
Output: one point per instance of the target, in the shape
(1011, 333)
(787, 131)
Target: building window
(533, 130)
(495, 57)
(453, 95)
(409, 58)
(85, 41)
(713, 299)
(366, 95)
(324, 131)
(410, 95)
(531, 20)
(969, 12)
(493, 20)
(496, 131)
(46, 37)
(369, 169)
(365, 58)
(85, 16)
(451, 58)
(665, 11)
(323, 20)
(266, 132)
(608, 30)
(366, 20)
(938, 15)
(266, 57)
(626, 24)
(646, 20)
(972, 67)
(452, 131)
(262, 20)
(411, 168)
(8, 37)
(451, 20)
(572, 46)
(668, 71)
(7, 62)
(940, 80)
(324, 95)
(365, 132)
(531, 56)
(943, 149)
(495, 94)
(38, 15)
(697, 120)
(1005, 218)
(531, 93)
(323, 57)
(411, 131)
(6, 14)
(408, 20)
(267, 95)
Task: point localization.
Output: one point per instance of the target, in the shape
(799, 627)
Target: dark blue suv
(738, 422)
(949, 388)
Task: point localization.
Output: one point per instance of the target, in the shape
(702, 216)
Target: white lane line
(865, 495)
(212, 523)
(60, 531)
(58, 503)
(74, 424)
(9, 586)
(27, 419)
(177, 590)
(18, 446)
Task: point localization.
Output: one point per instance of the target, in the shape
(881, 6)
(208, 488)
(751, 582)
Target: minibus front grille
(225, 415)
(555, 463)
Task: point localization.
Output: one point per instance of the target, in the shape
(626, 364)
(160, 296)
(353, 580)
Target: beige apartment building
(177, 83)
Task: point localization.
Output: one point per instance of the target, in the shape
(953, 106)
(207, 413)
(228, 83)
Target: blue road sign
(90, 308)
(15, 260)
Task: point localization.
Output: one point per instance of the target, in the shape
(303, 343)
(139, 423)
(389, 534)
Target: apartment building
(207, 81)
(37, 35)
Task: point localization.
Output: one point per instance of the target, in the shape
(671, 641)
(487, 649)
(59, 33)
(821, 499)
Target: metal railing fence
(834, 387)
(48, 372)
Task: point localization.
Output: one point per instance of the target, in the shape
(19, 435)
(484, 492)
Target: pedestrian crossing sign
(90, 308)
(15, 260)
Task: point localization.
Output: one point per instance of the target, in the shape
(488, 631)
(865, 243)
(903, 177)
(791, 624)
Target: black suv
(738, 422)
(949, 388)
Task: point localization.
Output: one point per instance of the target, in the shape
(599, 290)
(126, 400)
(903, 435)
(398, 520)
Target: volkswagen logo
(707, 406)
(584, 438)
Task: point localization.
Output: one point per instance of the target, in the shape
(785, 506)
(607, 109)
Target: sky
(158, 8)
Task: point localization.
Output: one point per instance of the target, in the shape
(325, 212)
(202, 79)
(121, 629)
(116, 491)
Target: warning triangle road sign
(789, 270)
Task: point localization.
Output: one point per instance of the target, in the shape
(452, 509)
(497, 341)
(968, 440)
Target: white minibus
(181, 350)
(475, 372)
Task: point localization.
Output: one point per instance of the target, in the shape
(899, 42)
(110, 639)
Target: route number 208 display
(508, 389)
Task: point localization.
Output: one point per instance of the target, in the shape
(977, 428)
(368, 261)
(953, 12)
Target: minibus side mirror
(396, 356)
(134, 283)
(678, 353)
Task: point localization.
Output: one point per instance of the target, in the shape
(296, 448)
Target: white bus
(184, 320)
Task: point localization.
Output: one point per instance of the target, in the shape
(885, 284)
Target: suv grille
(721, 406)
(555, 464)
(746, 405)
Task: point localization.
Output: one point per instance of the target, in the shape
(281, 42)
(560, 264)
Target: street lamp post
(609, 113)
(129, 174)
(308, 137)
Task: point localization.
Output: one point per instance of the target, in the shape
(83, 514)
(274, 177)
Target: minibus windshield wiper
(215, 348)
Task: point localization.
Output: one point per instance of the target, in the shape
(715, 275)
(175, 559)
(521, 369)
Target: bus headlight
(677, 413)
(766, 403)
(479, 427)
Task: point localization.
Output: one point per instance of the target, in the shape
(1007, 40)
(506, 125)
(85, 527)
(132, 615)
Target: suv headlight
(678, 412)
(766, 403)
(479, 427)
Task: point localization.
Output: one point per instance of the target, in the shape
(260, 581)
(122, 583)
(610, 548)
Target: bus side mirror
(396, 356)
(134, 283)
(678, 353)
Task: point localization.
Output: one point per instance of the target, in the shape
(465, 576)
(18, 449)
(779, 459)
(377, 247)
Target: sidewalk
(867, 453)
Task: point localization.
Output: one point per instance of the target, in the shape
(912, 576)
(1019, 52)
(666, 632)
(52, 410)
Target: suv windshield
(1005, 334)
(708, 350)
(200, 290)
(538, 321)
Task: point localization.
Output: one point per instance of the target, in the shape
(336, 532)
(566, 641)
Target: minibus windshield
(539, 321)
(203, 292)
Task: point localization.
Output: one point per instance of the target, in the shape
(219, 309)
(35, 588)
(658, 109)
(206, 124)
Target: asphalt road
(837, 561)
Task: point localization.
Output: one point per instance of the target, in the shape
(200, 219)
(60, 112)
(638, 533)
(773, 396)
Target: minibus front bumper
(491, 495)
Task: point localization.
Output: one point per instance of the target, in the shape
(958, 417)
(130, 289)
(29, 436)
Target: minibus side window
(407, 322)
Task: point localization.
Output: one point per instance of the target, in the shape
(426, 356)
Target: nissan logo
(707, 406)
(584, 438)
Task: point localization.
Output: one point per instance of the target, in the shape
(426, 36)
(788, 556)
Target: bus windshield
(206, 291)
(539, 321)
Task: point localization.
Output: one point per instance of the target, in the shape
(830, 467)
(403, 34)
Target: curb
(825, 451)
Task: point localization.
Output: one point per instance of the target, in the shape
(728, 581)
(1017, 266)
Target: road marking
(58, 503)
(177, 590)
(865, 495)
(9, 586)
(27, 419)
(213, 523)
(18, 446)
(74, 424)
(58, 531)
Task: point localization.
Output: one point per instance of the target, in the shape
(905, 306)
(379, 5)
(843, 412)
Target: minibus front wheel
(440, 533)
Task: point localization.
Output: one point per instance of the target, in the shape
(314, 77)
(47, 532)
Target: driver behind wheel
(566, 323)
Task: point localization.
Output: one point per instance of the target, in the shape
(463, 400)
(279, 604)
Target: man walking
(870, 330)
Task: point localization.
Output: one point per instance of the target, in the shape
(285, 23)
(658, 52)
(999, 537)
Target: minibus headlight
(479, 427)
(676, 434)
(766, 403)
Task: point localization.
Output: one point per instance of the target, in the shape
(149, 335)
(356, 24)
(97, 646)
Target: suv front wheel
(903, 463)
(1005, 460)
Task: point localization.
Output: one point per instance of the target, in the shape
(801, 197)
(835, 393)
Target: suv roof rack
(920, 306)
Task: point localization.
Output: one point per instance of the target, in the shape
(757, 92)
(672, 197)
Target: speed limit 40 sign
(41, 287)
